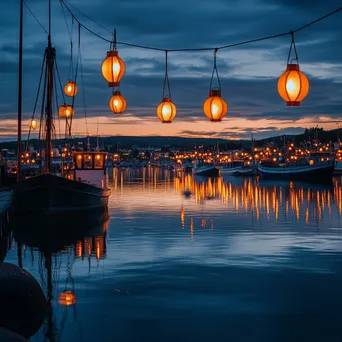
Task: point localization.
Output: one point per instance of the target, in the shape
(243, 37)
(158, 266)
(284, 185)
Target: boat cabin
(90, 168)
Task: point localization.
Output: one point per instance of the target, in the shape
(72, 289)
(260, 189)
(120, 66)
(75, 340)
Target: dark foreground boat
(317, 173)
(203, 169)
(84, 190)
(81, 187)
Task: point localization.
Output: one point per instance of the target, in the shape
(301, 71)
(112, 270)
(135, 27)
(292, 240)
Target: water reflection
(55, 243)
(273, 199)
(234, 259)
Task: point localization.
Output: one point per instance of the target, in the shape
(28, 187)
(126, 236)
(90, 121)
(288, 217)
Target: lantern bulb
(214, 109)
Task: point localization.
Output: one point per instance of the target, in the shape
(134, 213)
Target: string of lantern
(293, 84)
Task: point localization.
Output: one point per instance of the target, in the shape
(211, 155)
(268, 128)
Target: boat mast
(50, 56)
(20, 88)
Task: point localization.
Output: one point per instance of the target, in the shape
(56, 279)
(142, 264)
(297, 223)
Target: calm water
(184, 259)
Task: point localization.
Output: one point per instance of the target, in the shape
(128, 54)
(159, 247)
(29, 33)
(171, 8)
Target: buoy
(23, 303)
(10, 336)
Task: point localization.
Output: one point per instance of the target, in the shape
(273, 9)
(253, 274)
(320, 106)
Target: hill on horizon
(127, 142)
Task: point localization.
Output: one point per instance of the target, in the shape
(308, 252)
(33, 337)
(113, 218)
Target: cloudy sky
(248, 73)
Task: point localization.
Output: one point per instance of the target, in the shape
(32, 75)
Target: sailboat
(85, 186)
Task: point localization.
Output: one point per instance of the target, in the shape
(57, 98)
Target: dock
(5, 208)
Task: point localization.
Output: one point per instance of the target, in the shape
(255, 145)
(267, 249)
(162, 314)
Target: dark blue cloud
(248, 73)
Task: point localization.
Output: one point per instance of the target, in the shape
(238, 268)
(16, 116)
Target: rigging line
(209, 48)
(40, 24)
(59, 80)
(65, 19)
(37, 98)
(84, 97)
(87, 16)
(41, 127)
(57, 107)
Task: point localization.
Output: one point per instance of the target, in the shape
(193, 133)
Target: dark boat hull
(316, 174)
(209, 172)
(49, 194)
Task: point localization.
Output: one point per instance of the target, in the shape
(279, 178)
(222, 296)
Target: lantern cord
(215, 70)
(202, 48)
(36, 102)
(293, 44)
(166, 79)
(40, 24)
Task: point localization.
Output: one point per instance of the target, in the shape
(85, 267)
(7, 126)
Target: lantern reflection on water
(67, 298)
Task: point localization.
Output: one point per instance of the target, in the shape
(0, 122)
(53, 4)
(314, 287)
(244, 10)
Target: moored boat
(81, 188)
(319, 173)
(84, 188)
(242, 169)
(202, 169)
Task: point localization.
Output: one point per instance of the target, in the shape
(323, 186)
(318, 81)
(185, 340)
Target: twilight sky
(248, 73)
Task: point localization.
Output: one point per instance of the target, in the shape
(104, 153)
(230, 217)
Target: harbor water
(180, 258)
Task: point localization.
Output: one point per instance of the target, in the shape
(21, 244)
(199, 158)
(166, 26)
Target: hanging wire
(215, 70)
(94, 21)
(40, 24)
(202, 48)
(166, 80)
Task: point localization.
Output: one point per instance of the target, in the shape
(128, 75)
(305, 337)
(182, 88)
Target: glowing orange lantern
(113, 68)
(66, 111)
(117, 103)
(293, 85)
(214, 107)
(34, 124)
(166, 110)
(66, 298)
(71, 89)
